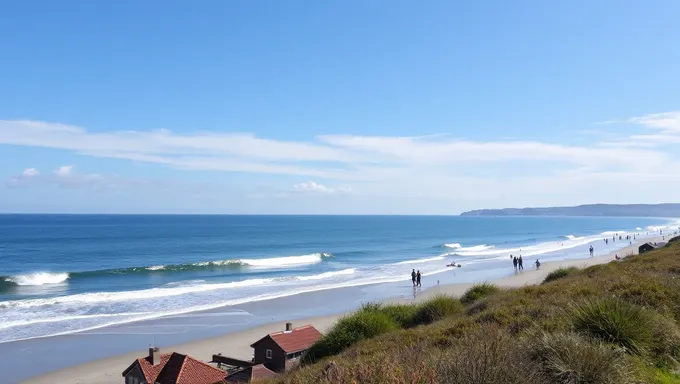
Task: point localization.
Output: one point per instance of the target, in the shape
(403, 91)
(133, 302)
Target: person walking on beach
(538, 264)
(413, 277)
(591, 251)
(519, 262)
(514, 262)
(418, 278)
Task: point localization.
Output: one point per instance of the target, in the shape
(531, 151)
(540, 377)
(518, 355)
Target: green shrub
(486, 356)
(349, 330)
(477, 292)
(402, 314)
(371, 306)
(435, 309)
(572, 359)
(560, 273)
(616, 321)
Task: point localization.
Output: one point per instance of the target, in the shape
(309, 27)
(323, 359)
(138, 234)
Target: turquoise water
(62, 274)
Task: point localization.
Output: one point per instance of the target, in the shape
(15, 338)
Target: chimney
(289, 327)
(154, 355)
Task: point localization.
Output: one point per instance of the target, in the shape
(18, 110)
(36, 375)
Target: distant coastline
(610, 210)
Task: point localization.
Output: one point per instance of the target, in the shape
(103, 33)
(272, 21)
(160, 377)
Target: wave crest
(38, 278)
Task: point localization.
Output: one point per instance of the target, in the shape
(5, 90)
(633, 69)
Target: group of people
(415, 277)
(518, 263)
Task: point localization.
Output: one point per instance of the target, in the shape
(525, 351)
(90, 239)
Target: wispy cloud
(314, 187)
(328, 156)
(665, 122)
(421, 167)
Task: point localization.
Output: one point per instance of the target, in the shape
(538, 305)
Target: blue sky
(336, 106)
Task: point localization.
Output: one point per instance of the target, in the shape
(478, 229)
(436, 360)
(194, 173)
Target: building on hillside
(646, 247)
(248, 374)
(282, 350)
(171, 368)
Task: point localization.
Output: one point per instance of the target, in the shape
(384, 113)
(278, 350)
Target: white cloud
(667, 121)
(64, 171)
(30, 172)
(419, 168)
(314, 187)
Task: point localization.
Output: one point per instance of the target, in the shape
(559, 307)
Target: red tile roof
(248, 374)
(260, 372)
(299, 339)
(175, 368)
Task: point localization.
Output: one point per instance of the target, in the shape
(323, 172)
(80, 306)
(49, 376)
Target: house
(280, 351)
(248, 374)
(171, 368)
(646, 247)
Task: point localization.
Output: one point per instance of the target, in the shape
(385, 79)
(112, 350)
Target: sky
(336, 107)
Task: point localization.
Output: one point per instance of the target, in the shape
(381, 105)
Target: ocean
(80, 274)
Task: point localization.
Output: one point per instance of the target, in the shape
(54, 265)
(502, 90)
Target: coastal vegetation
(560, 273)
(610, 323)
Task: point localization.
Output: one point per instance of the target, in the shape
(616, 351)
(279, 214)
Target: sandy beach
(237, 344)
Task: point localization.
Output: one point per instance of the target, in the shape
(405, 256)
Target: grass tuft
(572, 359)
(477, 292)
(436, 309)
(560, 273)
(361, 325)
(616, 321)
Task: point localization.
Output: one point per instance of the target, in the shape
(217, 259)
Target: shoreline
(237, 344)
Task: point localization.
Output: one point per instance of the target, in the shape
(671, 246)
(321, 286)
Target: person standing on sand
(418, 278)
(413, 277)
(514, 262)
(538, 264)
(519, 262)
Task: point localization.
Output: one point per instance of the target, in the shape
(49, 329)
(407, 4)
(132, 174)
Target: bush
(572, 359)
(486, 356)
(402, 314)
(616, 321)
(560, 273)
(477, 292)
(349, 330)
(435, 309)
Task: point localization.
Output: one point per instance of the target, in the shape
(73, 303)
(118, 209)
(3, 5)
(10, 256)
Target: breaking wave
(43, 278)
(37, 278)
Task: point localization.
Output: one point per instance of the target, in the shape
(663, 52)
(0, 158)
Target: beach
(237, 344)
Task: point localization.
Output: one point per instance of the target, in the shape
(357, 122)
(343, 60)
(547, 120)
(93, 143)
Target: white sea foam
(38, 278)
(286, 261)
(327, 275)
(452, 245)
(156, 268)
(419, 261)
(529, 250)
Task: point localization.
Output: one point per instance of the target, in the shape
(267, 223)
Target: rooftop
(299, 339)
(176, 368)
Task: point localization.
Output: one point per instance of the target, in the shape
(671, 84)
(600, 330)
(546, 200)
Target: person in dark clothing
(538, 264)
(418, 278)
(514, 262)
(519, 262)
(413, 277)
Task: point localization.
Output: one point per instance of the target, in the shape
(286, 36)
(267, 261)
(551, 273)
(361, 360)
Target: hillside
(614, 323)
(629, 210)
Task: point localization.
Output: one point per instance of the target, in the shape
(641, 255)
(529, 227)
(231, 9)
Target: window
(268, 353)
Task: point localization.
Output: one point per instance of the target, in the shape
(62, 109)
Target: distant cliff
(632, 210)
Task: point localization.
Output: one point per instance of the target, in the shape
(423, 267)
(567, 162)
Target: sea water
(63, 274)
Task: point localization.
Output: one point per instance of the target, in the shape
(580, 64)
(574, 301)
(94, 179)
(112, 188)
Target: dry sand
(238, 344)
